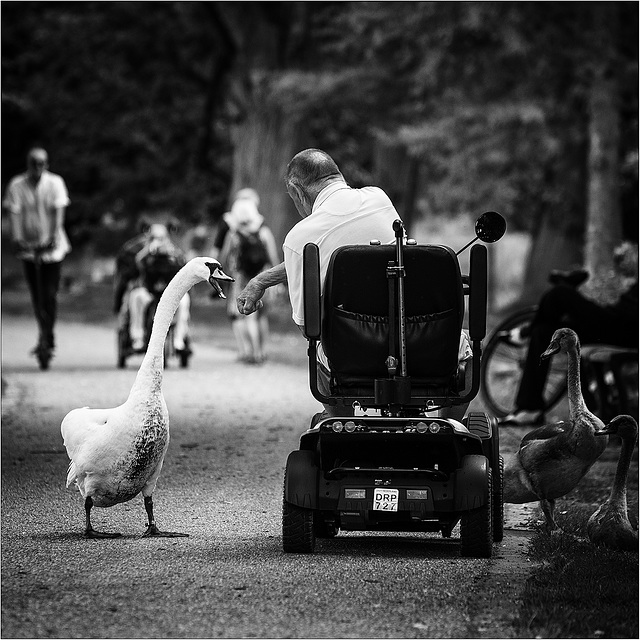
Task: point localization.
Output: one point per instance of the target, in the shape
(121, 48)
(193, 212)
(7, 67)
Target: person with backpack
(248, 249)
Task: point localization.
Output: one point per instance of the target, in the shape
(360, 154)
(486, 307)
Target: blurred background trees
(528, 108)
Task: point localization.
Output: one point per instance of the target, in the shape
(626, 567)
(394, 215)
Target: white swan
(118, 453)
(552, 459)
(609, 526)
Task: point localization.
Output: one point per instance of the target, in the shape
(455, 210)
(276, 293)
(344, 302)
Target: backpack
(252, 254)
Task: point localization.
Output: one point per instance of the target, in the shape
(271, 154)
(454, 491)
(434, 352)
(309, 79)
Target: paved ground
(232, 427)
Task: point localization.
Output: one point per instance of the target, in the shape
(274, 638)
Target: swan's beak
(602, 432)
(553, 348)
(218, 274)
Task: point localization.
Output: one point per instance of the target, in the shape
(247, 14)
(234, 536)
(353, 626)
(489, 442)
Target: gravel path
(232, 427)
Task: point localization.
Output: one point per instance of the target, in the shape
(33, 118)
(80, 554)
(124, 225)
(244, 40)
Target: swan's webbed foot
(89, 531)
(548, 508)
(153, 532)
(92, 533)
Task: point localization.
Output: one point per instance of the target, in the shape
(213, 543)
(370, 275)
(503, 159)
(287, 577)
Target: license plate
(385, 499)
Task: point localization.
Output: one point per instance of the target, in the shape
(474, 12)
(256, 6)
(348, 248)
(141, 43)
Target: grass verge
(578, 590)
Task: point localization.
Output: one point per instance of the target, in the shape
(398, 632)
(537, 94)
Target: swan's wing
(545, 432)
(72, 473)
(82, 426)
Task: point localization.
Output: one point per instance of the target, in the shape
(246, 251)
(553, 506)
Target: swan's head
(624, 426)
(209, 270)
(564, 340)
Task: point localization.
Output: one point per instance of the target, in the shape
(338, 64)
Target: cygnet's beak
(218, 274)
(606, 431)
(552, 349)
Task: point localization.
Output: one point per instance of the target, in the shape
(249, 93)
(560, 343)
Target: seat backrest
(355, 325)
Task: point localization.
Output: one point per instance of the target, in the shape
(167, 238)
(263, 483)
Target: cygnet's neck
(619, 488)
(574, 388)
(152, 367)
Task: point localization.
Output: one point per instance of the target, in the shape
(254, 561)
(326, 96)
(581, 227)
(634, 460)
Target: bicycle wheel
(502, 364)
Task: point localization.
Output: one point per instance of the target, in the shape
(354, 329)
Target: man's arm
(11, 205)
(58, 225)
(249, 299)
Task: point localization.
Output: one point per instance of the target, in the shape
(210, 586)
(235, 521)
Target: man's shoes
(43, 353)
(251, 359)
(41, 348)
(138, 346)
(523, 418)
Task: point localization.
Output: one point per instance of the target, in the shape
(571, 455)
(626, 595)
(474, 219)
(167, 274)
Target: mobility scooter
(389, 323)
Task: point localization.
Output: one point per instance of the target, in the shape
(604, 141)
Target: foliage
(580, 591)
(494, 99)
(117, 90)
(138, 102)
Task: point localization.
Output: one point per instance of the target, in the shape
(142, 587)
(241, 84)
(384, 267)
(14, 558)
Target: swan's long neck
(152, 367)
(619, 488)
(574, 388)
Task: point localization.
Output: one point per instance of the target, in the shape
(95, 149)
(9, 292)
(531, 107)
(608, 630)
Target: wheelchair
(389, 323)
(159, 270)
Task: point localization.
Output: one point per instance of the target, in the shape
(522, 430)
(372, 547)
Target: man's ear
(301, 194)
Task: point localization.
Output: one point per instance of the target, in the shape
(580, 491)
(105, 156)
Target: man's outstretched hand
(249, 299)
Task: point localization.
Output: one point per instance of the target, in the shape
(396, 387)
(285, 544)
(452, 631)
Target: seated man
(564, 306)
(334, 215)
(157, 262)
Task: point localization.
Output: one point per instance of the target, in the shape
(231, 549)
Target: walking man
(36, 201)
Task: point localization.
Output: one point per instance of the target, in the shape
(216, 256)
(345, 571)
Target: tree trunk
(552, 248)
(263, 145)
(397, 173)
(557, 233)
(604, 223)
(604, 226)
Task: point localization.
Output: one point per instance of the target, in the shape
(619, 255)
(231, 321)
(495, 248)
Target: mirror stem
(465, 246)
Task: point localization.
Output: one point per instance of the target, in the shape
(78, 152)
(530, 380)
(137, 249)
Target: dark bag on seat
(355, 336)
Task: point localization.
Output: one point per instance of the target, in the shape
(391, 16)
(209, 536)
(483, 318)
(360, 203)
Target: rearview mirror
(490, 226)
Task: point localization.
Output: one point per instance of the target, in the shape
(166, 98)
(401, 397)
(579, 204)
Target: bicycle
(605, 374)
(503, 361)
